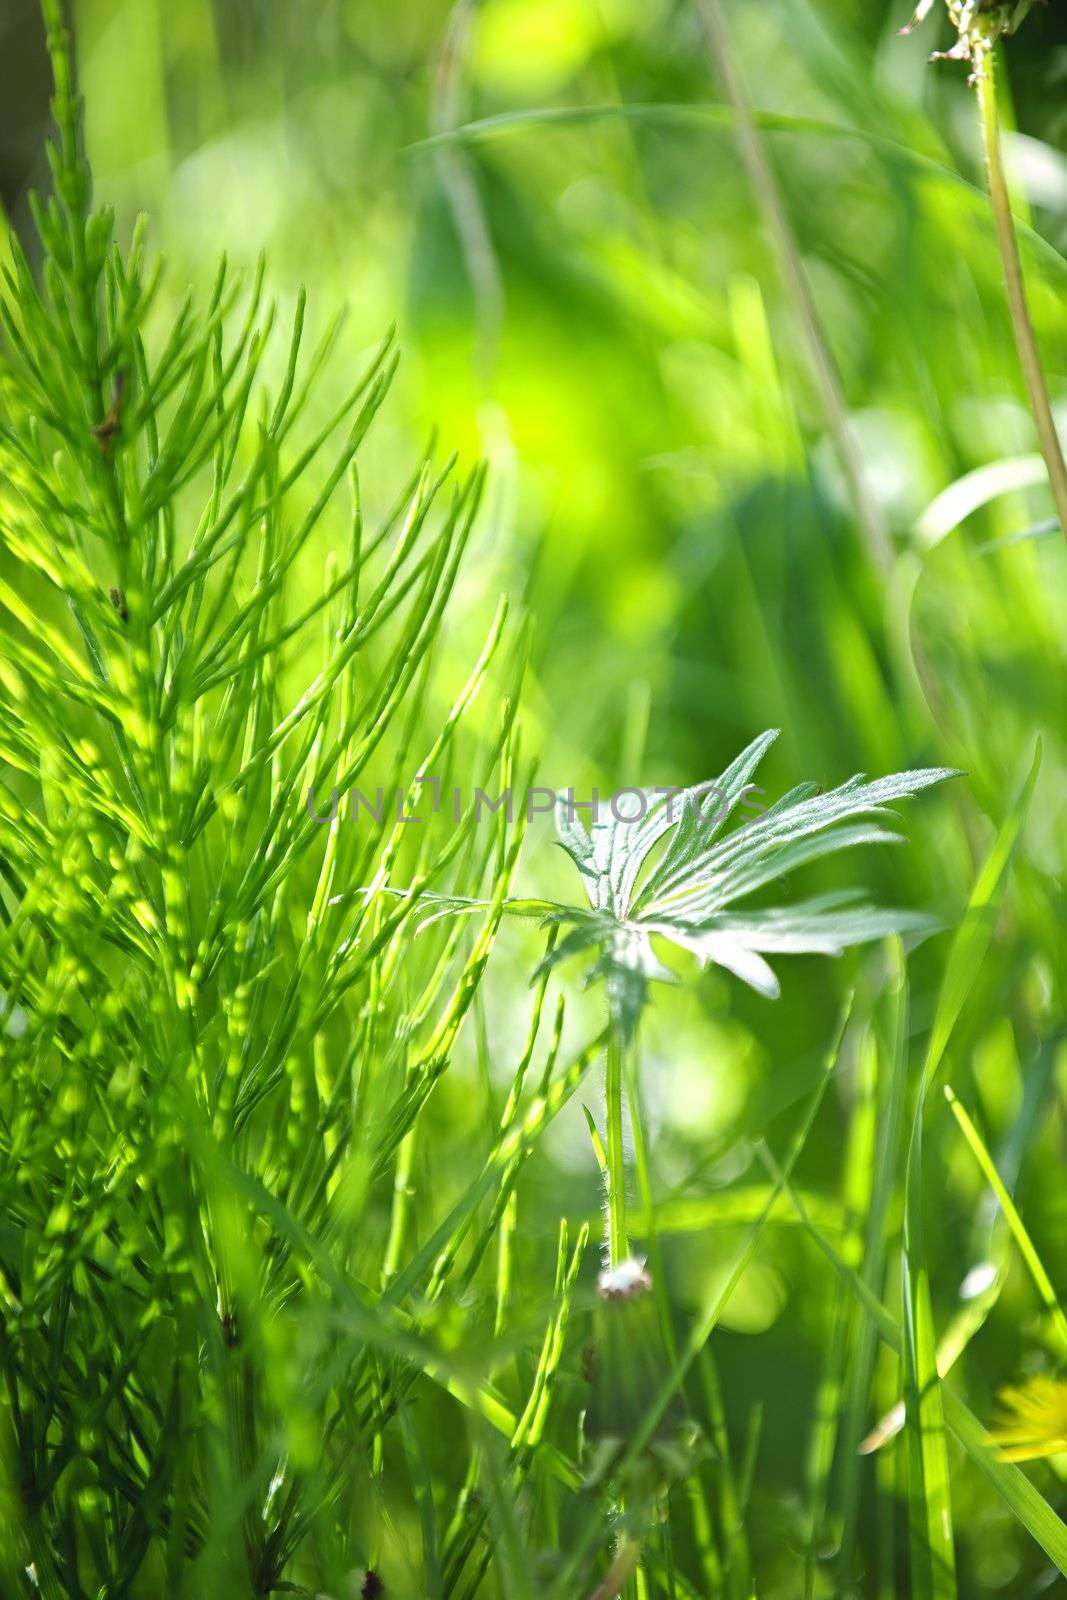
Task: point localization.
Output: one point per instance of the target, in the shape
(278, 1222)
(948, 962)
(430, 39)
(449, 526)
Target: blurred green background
(588, 296)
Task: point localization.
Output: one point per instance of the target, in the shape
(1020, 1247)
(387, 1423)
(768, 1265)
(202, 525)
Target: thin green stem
(505, 1261)
(403, 1193)
(618, 1245)
(1023, 328)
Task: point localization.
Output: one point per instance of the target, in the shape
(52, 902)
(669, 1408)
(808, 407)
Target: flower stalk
(674, 874)
(1022, 326)
(979, 25)
(618, 1241)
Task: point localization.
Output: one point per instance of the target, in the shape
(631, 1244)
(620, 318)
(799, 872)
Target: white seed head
(624, 1281)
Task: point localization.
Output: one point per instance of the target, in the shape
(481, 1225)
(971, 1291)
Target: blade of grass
(1015, 1489)
(891, 1043)
(933, 1556)
(857, 1186)
(1035, 1266)
(976, 930)
(820, 357)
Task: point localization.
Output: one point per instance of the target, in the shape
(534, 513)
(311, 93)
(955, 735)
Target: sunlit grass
(302, 1256)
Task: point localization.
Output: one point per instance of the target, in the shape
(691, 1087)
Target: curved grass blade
(1015, 1489)
(1027, 1250)
(933, 1558)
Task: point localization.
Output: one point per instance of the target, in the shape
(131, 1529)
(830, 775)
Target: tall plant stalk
(618, 1241)
(979, 28)
(685, 895)
(1022, 326)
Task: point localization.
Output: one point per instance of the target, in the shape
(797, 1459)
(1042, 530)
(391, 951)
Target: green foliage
(685, 894)
(298, 1213)
(207, 1065)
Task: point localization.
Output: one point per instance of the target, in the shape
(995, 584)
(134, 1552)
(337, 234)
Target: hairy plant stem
(618, 1244)
(621, 1570)
(1023, 328)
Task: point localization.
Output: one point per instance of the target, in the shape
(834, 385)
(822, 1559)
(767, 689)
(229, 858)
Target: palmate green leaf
(677, 873)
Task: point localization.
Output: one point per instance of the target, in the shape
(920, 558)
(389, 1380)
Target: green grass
(319, 1142)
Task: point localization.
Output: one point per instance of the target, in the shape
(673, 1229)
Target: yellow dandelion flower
(1034, 1423)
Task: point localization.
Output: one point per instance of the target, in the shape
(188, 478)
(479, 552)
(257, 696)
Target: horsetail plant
(212, 1063)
